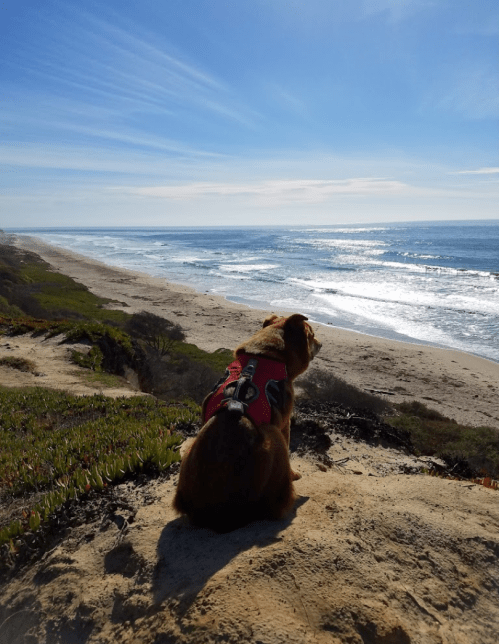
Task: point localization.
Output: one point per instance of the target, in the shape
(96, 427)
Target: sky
(248, 112)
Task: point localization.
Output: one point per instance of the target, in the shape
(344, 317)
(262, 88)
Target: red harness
(251, 385)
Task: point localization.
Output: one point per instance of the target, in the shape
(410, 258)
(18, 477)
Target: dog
(237, 470)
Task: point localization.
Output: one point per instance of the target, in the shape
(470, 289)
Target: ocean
(432, 283)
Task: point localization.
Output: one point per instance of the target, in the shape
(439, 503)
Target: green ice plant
(61, 446)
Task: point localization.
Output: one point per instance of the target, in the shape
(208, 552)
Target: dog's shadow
(188, 556)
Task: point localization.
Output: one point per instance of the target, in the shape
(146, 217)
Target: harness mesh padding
(257, 393)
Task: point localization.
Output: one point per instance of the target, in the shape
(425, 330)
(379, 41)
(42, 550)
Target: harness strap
(239, 391)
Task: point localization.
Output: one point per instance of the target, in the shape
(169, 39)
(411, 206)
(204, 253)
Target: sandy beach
(459, 385)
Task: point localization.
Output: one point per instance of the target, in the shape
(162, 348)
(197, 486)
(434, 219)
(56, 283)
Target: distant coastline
(428, 284)
(459, 385)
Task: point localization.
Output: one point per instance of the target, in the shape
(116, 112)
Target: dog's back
(238, 469)
(233, 473)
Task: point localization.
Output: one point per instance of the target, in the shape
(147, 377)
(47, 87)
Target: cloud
(91, 159)
(396, 9)
(123, 68)
(276, 192)
(473, 92)
(480, 171)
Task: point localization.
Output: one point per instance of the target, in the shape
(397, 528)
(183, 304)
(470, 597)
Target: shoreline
(460, 385)
(402, 339)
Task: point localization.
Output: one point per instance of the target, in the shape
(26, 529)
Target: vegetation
(8, 309)
(57, 446)
(21, 364)
(433, 434)
(323, 387)
(217, 361)
(29, 286)
(155, 331)
(429, 432)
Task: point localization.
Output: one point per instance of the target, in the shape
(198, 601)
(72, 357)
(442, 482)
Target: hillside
(373, 553)
(376, 551)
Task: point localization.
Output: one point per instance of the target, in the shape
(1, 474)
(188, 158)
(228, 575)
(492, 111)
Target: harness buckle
(250, 369)
(235, 407)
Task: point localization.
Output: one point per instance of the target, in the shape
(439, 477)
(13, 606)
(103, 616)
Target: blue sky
(194, 112)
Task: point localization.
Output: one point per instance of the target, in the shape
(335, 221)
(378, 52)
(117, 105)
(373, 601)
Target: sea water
(433, 283)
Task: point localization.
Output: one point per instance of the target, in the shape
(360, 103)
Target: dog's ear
(269, 320)
(294, 321)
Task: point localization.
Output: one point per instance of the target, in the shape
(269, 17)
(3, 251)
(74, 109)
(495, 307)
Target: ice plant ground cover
(56, 446)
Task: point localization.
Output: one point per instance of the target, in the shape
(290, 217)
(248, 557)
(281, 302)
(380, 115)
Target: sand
(374, 552)
(370, 555)
(459, 385)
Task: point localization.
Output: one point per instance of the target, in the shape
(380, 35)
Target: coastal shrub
(29, 286)
(21, 364)
(112, 350)
(217, 360)
(9, 309)
(172, 369)
(25, 301)
(92, 359)
(20, 325)
(157, 332)
(420, 410)
(178, 376)
(97, 333)
(322, 386)
(433, 434)
(57, 446)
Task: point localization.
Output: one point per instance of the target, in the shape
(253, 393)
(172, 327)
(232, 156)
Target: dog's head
(290, 339)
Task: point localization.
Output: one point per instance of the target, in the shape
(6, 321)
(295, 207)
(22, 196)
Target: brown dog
(237, 469)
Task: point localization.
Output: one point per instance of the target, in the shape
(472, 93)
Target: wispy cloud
(286, 98)
(473, 91)
(479, 171)
(106, 64)
(92, 158)
(396, 9)
(276, 192)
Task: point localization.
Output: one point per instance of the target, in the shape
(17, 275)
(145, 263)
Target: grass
(21, 364)
(218, 360)
(58, 446)
(102, 379)
(433, 434)
(56, 293)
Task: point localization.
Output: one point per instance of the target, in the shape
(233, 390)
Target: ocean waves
(437, 284)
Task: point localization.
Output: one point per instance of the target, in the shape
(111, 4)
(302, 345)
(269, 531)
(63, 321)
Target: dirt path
(53, 367)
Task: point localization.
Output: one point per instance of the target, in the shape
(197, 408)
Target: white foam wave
(247, 268)
(374, 283)
(345, 231)
(343, 243)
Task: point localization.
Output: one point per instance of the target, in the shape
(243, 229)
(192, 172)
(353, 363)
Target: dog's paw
(295, 476)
